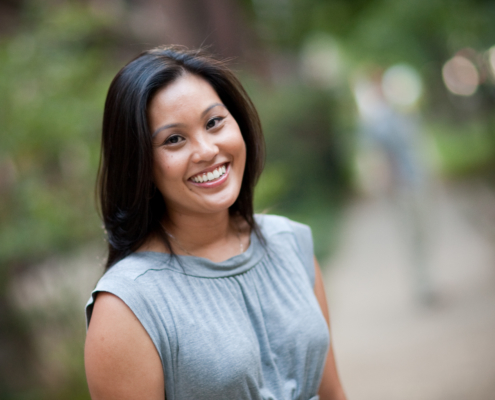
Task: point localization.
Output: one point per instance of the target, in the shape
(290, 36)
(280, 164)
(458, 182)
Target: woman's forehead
(188, 90)
(190, 96)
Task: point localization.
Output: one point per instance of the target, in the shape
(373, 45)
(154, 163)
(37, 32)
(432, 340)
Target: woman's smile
(211, 177)
(199, 152)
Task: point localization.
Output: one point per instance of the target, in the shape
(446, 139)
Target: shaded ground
(390, 347)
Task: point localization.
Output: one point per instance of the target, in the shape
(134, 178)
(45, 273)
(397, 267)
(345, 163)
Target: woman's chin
(220, 201)
(206, 206)
(218, 207)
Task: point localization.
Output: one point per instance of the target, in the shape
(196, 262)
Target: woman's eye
(174, 139)
(213, 122)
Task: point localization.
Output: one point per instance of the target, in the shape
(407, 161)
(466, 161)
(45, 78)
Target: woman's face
(199, 153)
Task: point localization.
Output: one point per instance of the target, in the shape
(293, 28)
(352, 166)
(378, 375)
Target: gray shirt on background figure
(246, 328)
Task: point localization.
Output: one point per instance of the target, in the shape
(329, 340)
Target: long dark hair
(130, 204)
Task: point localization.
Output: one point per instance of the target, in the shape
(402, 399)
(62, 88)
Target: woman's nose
(205, 148)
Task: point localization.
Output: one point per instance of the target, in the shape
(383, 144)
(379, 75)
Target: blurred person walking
(390, 158)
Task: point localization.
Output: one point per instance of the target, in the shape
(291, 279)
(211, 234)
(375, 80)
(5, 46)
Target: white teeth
(215, 174)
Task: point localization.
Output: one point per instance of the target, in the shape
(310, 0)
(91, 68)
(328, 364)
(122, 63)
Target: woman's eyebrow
(212, 106)
(161, 128)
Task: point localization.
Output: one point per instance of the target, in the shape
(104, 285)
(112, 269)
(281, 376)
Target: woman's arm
(121, 361)
(330, 387)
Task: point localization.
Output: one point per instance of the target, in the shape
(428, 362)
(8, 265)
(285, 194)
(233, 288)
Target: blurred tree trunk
(17, 353)
(217, 24)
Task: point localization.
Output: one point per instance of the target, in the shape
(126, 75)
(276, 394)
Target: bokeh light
(321, 60)
(401, 85)
(491, 59)
(460, 76)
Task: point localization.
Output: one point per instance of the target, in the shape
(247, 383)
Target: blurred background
(380, 130)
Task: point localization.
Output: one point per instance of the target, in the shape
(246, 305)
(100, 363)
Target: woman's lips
(211, 178)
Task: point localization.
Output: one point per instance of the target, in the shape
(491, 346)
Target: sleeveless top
(246, 328)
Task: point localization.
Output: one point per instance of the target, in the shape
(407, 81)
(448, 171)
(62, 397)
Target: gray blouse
(246, 328)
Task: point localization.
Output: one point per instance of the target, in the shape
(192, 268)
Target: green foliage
(376, 34)
(463, 149)
(381, 31)
(306, 174)
(52, 88)
(54, 74)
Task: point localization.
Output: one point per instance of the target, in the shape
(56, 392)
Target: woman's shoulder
(129, 280)
(119, 351)
(136, 265)
(272, 225)
(290, 237)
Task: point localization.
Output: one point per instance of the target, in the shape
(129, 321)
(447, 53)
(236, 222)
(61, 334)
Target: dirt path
(390, 347)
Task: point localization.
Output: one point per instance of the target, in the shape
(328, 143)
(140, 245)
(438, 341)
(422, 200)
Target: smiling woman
(201, 299)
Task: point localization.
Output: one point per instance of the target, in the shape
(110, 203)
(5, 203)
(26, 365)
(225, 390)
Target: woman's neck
(199, 230)
(217, 237)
